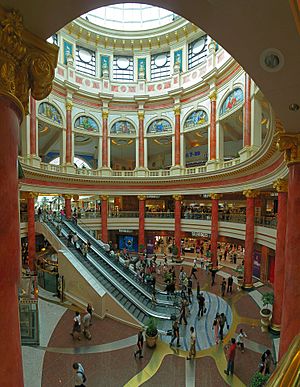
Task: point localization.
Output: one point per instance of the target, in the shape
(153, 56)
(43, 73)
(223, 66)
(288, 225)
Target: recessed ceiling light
(271, 60)
(294, 107)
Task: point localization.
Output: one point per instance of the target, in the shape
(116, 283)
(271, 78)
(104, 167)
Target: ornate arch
(86, 123)
(50, 112)
(195, 119)
(158, 126)
(123, 128)
(232, 100)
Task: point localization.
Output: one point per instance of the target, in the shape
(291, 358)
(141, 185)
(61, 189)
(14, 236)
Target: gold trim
(69, 105)
(215, 196)
(290, 145)
(275, 327)
(67, 196)
(104, 114)
(281, 185)
(177, 110)
(213, 96)
(177, 197)
(104, 197)
(141, 197)
(249, 193)
(141, 115)
(247, 286)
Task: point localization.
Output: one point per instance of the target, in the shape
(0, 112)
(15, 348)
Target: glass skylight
(130, 17)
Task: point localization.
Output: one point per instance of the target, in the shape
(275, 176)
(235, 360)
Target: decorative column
(31, 229)
(290, 320)
(104, 213)
(281, 187)
(26, 62)
(211, 164)
(214, 228)
(69, 150)
(68, 206)
(32, 127)
(247, 112)
(177, 221)
(249, 241)
(104, 139)
(177, 111)
(142, 200)
(141, 116)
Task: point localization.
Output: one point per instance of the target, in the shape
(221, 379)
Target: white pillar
(256, 116)
(219, 140)
(173, 150)
(145, 152)
(182, 150)
(99, 152)
(108, 153)
(136, 152)
(62, 152)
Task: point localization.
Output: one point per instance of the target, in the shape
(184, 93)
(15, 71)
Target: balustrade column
(33, 151)
(104, 214)
(68, 206)
(177, 222)
(69, 150)
(212, 129)
(142, 202)
(290, 320)
(26, 62)
(281, 186)
(214, 228)
(141, 117)
(249, 241)
(177, 111)
(31, 229)
(104, 139)
(247, 112)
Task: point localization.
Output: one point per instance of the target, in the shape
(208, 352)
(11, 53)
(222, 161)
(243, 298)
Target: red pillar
(290, 321)
(104, 212)
(213, 135)
(281, 187)
(177, 220)
(247, 111)
(31, 230)
(249, 241)
(10, 340)
(69, 106)
(177, 135)
(214, 228)
(141, 140)
(32, 126)
(142, 199)
(104, 139)
(68, 206)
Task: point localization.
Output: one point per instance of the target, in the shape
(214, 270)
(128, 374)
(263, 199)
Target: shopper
(140, 344)
(90, 310)
(76, 326)
(201, 304)
(183, 312)
(175, 333)
(216, 327)
(223, 287)
(229, 284)
(240, 340)
(230, 358)
(86, 322)
(266, 360)
(222, 322)
(79, 377)
(192, 352)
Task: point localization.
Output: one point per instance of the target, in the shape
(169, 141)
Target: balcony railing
(165, 215)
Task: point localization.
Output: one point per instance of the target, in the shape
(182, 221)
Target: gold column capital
(213, 96)
(26, 62)
(249, 193)
(177, 197)
(290, 145)
(69, 105)
(141, 197)
(32, 195)
(67, 196)
(281, 185)
(215, 196)
(141, 115)
(105, 114)
(76, 197)
(177, 110)
(104, 197)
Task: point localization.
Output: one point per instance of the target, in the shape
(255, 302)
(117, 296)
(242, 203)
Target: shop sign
(124, 230)
(200, 234)
(152, 196)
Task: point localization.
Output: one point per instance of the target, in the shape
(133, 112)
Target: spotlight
(294, 107)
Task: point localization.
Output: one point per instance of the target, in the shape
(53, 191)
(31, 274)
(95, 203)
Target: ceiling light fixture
(271, 60)
(294, 107)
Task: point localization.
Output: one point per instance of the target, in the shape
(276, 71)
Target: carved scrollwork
(289, 144)
(281, 185)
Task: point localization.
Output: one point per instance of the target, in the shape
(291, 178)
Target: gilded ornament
(69, 105)
(104, 197)
(141, 197)
(32, 195)
(104, 114)
(177, 197)
(215, 196)
(177, 110)
(141, 115)
(281, 185)
(213, 96)
(67, 196)
(289, 144)
(249, 193)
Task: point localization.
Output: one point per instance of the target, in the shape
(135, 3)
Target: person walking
(140, 344)
(190, 290)
(230, 358)
(79, 375)
(222, 322)
(201, 304)
(86, 322)
(240, 340)
(266, 360)
(175, 333)
(183, 312)
(198, 288)
(229, 284)
(76, 326)
(223, 287)
(192, 352)
(213, 276)
(216, 327)
(70, 238)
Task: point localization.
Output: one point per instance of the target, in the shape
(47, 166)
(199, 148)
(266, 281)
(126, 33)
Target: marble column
(214, 228)
(247, 112)
(212, 129)
(69, 150)
(177, 221)
(31, 229)
(290, 320)
(104, 214)
(33, 150)
(249, 241)
(104, 139)
(142, 200)
(26, 62)
(177, 111)
(141, 116)
(281, 187)
(68, 206)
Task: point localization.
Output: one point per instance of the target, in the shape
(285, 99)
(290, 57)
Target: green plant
(258, 380)
(174, 250)
(151, 329)
(267, 299)
(141, 248)
(240, 270)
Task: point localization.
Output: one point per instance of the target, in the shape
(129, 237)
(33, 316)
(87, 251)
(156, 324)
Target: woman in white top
(240, 340)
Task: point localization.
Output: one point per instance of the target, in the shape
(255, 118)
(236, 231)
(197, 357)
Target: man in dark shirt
(140, 344)
(230, 358)
(201, 303)
(175, 334)
(230, 283)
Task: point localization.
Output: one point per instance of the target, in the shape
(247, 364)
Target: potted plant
(240, 276)
(266, 313)
(151, 333)
(258, 380)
